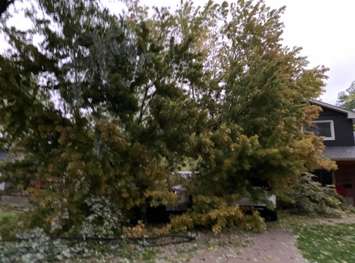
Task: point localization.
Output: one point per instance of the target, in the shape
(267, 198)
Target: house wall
(344, 176)
(345, 180)
(343, 128)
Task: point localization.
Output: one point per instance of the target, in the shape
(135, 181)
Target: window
(324, 129)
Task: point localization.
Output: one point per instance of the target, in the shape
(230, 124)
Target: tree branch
(4, 4)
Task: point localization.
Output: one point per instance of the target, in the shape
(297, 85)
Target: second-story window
(324, 129)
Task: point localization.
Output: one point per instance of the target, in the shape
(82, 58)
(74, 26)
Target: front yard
(317, 239)
(328, 243)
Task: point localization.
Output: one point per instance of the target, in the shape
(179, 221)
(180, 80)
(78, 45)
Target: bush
(310, 197)
(104, 220)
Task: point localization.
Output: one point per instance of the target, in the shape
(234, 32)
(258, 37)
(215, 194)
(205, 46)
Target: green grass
(7, 215)
(8, 222)
(328, 243)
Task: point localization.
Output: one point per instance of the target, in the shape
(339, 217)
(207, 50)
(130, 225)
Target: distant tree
(346, 99)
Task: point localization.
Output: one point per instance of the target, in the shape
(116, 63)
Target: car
(266, 206)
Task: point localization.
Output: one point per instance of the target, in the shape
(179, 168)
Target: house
(335, 126)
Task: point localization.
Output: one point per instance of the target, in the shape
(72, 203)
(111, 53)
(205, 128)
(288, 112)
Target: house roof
(340, 153)
(350, 114)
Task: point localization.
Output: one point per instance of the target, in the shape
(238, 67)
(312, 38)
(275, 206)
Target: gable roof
(350, 114)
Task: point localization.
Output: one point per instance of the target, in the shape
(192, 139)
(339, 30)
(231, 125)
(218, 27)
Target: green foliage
(103, 219)
(346, 99)
(9, 225)
(37, 246)
(107, 108)
(310, 197)
(327, 243)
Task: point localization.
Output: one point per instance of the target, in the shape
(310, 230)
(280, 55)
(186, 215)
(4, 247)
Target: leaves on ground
(328, 243)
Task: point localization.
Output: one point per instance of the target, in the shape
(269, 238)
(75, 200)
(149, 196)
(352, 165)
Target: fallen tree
(101, 109)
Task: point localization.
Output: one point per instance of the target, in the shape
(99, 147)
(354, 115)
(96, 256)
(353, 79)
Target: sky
(323, 28)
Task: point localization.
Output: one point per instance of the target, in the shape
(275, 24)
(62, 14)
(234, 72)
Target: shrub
(103, 219)
(36, 246)
(310, 197)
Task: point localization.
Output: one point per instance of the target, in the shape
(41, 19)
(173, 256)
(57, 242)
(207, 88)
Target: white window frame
(332, 130)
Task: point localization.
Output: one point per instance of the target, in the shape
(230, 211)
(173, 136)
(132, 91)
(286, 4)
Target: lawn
(4, 215)
(328, 243)
(8, 219)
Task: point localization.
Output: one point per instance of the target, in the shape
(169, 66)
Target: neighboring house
(2, 157)
(335, 126)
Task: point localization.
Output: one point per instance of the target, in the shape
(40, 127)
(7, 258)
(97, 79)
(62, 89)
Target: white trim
(332, 130)
(350, 114)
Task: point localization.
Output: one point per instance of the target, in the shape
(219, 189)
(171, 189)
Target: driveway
(276, 245)
(272, 246)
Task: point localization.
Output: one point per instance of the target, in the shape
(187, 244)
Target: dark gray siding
(2, 155)
(343, 127)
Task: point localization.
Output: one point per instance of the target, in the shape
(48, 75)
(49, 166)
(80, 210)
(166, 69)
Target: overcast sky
(325, 29)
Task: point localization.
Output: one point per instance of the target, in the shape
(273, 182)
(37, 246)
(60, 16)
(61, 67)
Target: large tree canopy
(108, 106)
